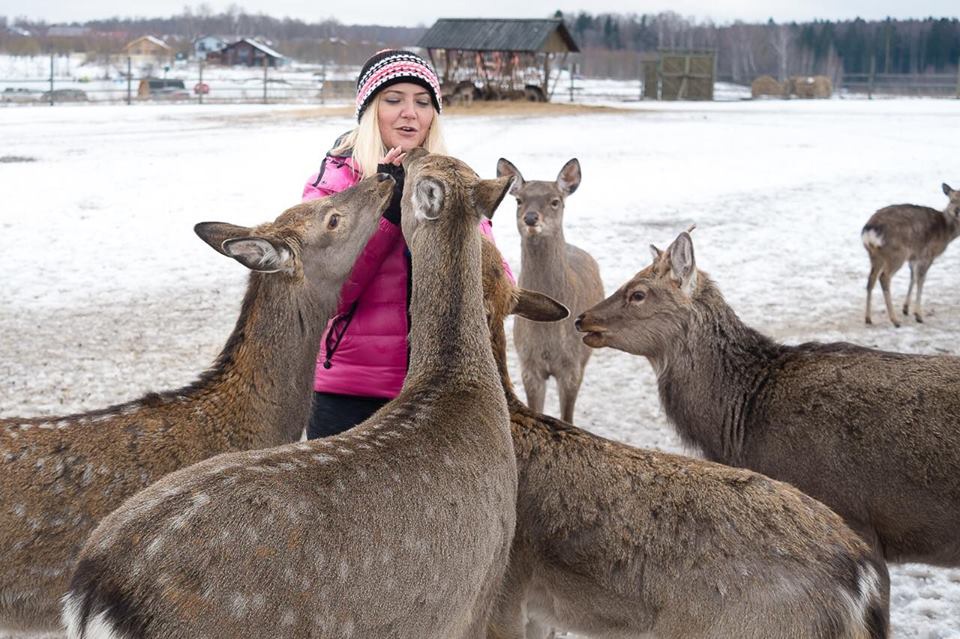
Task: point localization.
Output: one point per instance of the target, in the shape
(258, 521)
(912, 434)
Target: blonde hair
(365, 144)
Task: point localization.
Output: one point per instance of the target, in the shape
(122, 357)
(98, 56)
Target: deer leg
(568, 388)
(921, 278)
(871, 281)
(885, 286)
(535, 386)
(913, 278)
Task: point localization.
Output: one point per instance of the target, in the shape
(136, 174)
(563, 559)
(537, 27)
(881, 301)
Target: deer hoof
(868, 320)
(919, 319)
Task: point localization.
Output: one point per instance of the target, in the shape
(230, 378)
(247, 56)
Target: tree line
(612, 44)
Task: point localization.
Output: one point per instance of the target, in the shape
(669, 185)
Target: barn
(498, 58)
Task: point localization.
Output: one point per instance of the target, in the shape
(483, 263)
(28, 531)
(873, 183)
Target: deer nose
(531, 219)
(577, 322)
(383, 177)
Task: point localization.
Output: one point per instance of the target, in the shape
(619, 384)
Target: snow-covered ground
(106, 293)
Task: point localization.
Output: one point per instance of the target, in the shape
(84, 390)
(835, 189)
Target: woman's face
(405, 113)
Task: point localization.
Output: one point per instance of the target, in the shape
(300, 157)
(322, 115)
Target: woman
(363, 353)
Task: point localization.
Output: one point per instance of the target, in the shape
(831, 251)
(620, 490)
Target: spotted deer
(874, 435)
(61, 476)
(549, 265)
(613, 540)
(908, 233)
(399, 527)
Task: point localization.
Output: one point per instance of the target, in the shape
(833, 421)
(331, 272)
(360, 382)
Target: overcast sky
(385, 12)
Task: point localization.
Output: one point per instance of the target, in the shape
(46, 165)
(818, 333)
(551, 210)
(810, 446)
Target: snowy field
(106, 293)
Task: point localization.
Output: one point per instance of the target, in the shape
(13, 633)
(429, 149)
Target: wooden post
(51, 79)
(265, 79)
(873, 73)
(958, 78)
(200, 85)
(129, 81)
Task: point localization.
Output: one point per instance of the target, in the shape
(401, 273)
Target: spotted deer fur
(60, 476)
(399, 527)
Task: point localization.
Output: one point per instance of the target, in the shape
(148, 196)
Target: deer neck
(263, 378)
(543, 263)
(449, 338)
(710, 381)
(498, 340)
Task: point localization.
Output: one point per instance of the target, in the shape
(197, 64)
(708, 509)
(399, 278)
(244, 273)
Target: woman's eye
(637, 296)
(392, 100)
(423, 103)
(333, 221)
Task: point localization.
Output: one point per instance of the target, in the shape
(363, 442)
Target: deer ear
(539, 307)
(682, 263)
(427, 199)
(216, 233)
(946, 189)
(489, 193)
(569, 177)
(506, 168)
(413, 154)
(260, 254)
(656, 253)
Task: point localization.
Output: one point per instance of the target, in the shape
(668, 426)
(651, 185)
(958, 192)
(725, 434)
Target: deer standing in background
(613, 540)
(908, 233)
(60, 476)
(397, 528)
(874, 435)
(549, 265)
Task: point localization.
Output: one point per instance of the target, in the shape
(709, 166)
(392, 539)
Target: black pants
(332, 414)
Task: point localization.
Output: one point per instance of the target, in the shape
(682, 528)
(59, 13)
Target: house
(249, 53)
(149, 51)
(206, 44)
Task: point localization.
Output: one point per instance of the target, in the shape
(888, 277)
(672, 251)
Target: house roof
(257, 45)
(526, 36)
(152, 40)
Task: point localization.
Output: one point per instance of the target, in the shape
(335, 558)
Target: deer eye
(334, 221)
(638, 296)
(555, 202)
(519, 201)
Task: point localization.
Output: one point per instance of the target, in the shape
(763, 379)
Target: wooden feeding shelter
(499, 58)
(679, 74)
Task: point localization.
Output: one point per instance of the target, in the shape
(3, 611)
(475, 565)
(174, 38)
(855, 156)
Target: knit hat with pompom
(392, 66)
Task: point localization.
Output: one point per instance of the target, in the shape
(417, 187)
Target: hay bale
(766, 86)
(810, 87)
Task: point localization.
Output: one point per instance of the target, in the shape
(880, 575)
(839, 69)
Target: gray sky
(389, 12)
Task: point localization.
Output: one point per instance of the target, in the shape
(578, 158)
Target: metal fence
(200, 85)
(942, 85)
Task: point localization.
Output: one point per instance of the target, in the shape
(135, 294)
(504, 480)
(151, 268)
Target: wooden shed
(680, 74)
(498, 58)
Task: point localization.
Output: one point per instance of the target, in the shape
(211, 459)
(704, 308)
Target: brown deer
(549, 265)
(873, 435)
(908, 233)
(613, 540)
(60, 476)
(399, 527)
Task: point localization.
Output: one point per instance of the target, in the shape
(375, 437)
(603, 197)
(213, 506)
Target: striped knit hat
(392, 66)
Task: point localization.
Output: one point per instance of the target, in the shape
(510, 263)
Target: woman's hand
(394, 156)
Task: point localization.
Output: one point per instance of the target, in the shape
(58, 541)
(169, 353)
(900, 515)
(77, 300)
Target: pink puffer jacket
(364, 348)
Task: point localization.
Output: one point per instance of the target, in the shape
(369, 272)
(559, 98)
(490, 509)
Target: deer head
(648, 313)
(540, 203)
(320, 236)
(953, 207)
